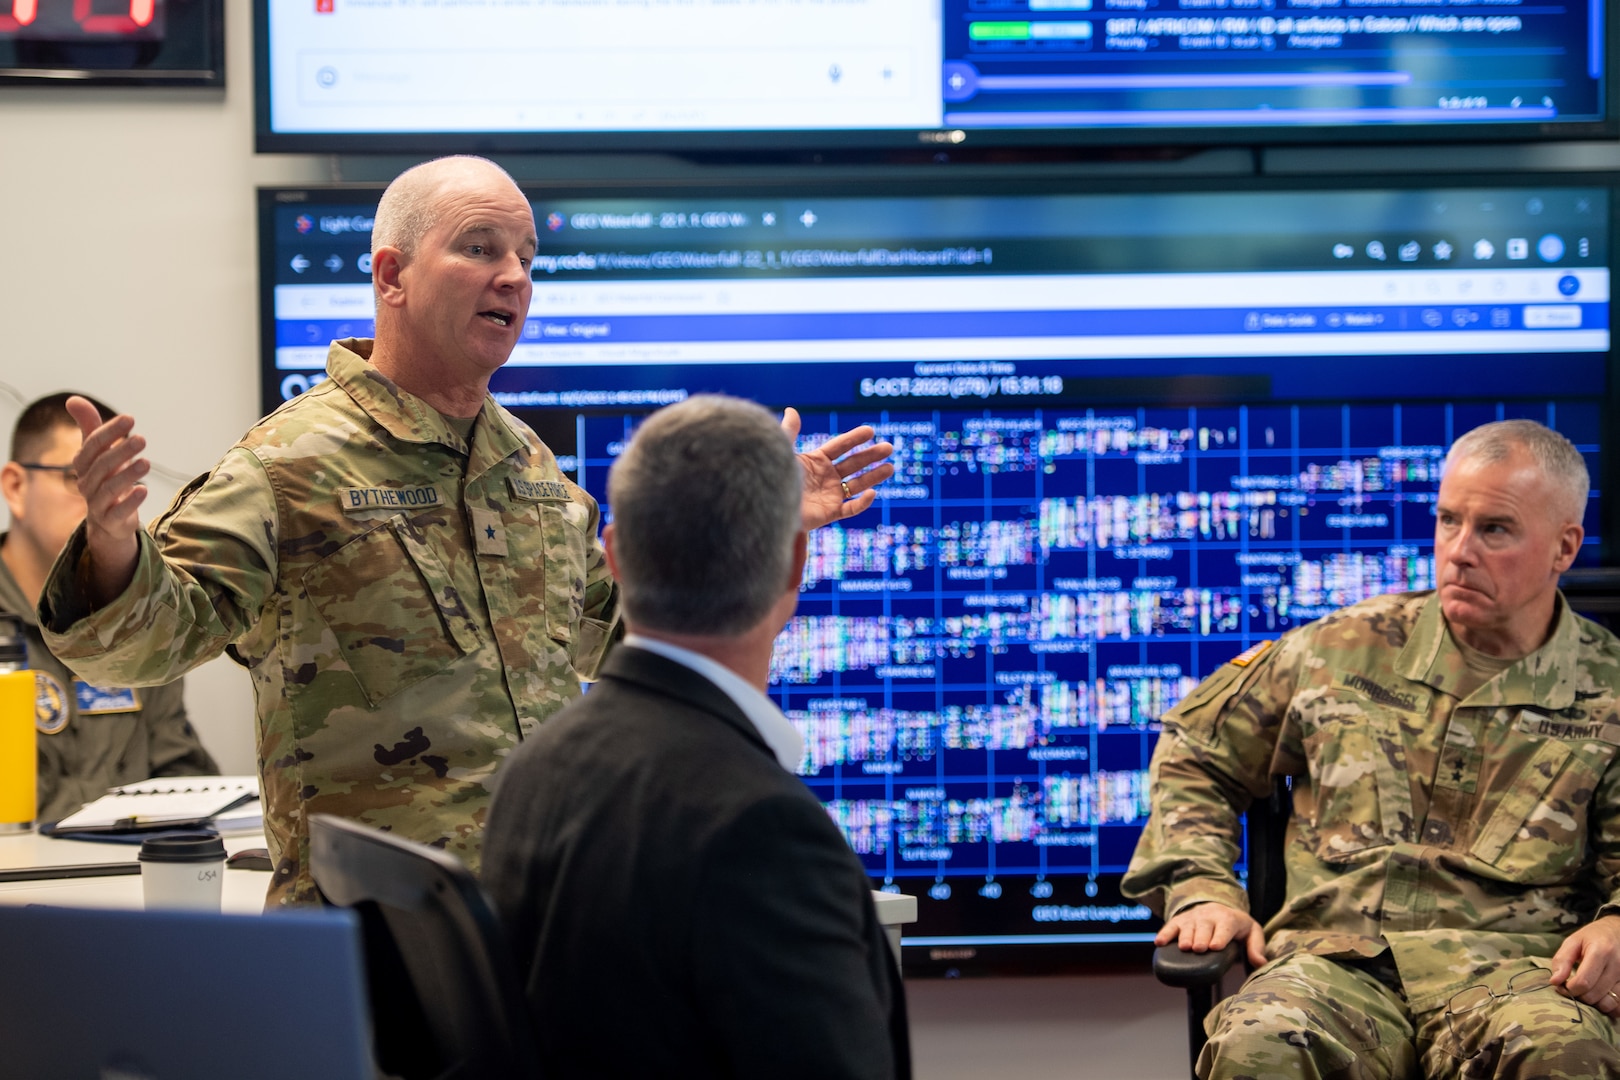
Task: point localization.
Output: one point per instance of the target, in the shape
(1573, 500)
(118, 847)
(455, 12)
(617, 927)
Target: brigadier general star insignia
(489, 535)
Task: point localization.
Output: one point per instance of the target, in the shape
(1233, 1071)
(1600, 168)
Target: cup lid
(183, 847)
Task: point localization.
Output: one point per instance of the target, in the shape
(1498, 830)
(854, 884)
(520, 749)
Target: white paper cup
(186, 870)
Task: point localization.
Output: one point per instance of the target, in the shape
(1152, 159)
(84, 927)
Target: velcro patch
(1394, 697)
(1535, 723)
(539, 490)
(1252, 653)
(359, 500)
(489, 534)
(104, 699)
(50, 704)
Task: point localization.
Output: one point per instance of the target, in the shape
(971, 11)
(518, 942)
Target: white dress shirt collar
(779, 734)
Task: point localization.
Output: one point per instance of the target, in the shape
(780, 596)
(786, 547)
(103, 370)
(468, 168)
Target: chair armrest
(1173, 967)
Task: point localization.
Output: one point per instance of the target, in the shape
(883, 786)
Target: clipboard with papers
(227, 803)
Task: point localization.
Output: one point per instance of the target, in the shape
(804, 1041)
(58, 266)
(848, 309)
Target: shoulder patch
(50, 704)
(1252, 653)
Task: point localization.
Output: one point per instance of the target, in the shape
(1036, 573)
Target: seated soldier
(91, 738)
(1453, 859)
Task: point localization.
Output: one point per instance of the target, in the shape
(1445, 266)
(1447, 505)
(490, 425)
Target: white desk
(894, 910)
(244, 889)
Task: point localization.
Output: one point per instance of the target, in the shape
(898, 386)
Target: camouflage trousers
(1302, 1017)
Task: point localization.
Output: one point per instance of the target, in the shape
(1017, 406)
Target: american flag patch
(1252, 653)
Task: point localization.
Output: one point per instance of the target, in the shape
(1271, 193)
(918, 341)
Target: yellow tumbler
(19, 761)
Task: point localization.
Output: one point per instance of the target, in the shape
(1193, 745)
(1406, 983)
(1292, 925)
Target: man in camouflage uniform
(410, 579)
(1453, 859)
(91, 737)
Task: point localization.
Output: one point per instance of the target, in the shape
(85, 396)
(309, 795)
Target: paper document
(227, 802)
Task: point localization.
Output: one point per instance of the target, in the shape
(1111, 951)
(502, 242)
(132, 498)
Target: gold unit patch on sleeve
(1252, 653)
(539, 490)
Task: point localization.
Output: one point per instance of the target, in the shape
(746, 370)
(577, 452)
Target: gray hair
(1560, 463)
(410, 206)
(705, 505)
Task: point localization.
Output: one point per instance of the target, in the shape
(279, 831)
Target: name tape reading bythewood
(353, 499)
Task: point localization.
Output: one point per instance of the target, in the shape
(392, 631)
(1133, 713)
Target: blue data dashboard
(723, 75)
(1136, 433)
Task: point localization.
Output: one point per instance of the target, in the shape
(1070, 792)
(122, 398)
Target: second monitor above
(710, 76)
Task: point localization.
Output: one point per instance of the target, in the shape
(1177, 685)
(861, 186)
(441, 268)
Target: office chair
(1201, 973)
(1594, 591)
(445, 999)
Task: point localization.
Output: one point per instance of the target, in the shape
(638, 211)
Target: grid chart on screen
(979, 663)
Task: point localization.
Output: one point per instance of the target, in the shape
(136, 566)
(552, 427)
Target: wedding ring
(845, 485)
(1614, 995)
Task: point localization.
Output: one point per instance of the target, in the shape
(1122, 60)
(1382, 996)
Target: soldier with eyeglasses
(91, 737)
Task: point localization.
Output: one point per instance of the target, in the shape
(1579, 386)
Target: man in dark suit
(679, 903)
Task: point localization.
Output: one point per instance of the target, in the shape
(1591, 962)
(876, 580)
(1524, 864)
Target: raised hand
(110, 470)
(838, 487)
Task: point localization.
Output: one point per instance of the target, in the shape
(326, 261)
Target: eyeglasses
(69, 475)
(1478, 996)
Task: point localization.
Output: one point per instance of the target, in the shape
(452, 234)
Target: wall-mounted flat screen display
(718, 75)
(1136, 433)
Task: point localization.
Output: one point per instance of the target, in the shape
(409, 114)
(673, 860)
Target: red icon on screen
(324, 7)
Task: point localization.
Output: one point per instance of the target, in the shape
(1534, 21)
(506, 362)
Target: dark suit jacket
(678, 903)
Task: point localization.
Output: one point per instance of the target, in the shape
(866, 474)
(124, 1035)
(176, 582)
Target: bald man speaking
(397, 560)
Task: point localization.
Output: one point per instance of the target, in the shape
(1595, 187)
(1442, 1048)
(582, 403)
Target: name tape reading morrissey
(355, 500)
(1384, 695)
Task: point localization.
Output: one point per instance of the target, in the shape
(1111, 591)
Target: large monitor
(719, 76)
(1136, 432)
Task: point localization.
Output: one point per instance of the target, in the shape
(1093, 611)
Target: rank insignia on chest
(489, 535)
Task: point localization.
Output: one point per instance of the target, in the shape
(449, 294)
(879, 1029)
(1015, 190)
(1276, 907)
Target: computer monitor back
(137, 995)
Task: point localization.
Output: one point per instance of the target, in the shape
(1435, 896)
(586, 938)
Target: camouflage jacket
(92, 738)
(409, 606)
(1453, 833)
